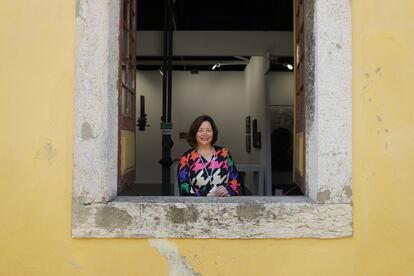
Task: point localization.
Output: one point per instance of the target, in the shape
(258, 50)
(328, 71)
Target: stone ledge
(229, 218)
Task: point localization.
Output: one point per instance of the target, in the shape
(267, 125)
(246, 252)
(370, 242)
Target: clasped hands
(220, 191)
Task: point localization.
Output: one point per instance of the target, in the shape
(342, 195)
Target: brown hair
(192, 132)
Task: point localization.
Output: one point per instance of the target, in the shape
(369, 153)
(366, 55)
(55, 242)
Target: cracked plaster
(178, 265)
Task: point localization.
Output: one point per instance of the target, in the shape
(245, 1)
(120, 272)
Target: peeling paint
(178, 265)
(112, 218)
(74, 265)
(182, 215)
(49, 151)
(379, 118)
(87, 132)
(250, 211)
(324, 196)
(347, 191)
(80, 212)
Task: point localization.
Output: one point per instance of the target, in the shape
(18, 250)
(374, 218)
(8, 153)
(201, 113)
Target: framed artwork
(248, 131)
(257, 136)
(257, 140)
(248, 143)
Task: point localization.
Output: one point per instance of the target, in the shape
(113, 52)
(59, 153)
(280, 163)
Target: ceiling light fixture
(217, 65)
(289, 66)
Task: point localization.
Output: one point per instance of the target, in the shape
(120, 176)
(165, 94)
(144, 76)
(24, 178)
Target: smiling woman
(206, 169)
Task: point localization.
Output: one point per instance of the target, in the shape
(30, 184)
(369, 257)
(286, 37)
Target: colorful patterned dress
(197, 176)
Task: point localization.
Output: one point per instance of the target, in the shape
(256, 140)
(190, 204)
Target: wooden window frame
(127, 88)
(325, 211)
(299, 98)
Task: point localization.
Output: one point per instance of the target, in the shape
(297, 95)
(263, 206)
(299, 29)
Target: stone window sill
(241, 217)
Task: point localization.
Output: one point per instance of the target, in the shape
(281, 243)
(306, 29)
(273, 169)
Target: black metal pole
(166, 116)
(164, 64)
(170, 56)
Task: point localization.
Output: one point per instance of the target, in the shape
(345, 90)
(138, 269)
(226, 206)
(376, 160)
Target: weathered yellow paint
(36, 116)
(127, 151)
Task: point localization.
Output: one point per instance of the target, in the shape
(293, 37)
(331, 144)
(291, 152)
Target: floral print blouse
(197, 176)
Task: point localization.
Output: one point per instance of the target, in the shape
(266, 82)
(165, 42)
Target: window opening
(256, 172)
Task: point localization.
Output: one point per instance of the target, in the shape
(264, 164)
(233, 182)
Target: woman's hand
(221, 192)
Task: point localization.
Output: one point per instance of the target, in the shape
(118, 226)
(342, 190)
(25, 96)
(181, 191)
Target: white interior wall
(256, 100)
(218, 94)
(148, 142)
(227, 96)
(281, 88)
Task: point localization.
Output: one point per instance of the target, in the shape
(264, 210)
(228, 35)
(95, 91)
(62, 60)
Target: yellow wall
(36, 116)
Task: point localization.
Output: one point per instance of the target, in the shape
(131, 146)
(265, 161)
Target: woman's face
(204, 134)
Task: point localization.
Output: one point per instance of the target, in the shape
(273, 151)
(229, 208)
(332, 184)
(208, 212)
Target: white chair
(174, 180)
(258, 174)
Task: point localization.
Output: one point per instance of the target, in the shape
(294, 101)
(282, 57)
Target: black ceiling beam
(264, 15)
(238, 67)
(190, 58)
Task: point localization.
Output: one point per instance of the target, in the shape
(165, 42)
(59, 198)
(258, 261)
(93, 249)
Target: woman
(206, 169)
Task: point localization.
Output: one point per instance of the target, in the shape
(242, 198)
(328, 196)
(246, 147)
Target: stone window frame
(325, 211)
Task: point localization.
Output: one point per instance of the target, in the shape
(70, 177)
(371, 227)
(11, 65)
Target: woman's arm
(183, 177)
(233, 186)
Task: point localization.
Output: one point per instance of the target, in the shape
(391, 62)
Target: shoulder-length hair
(192, 132)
